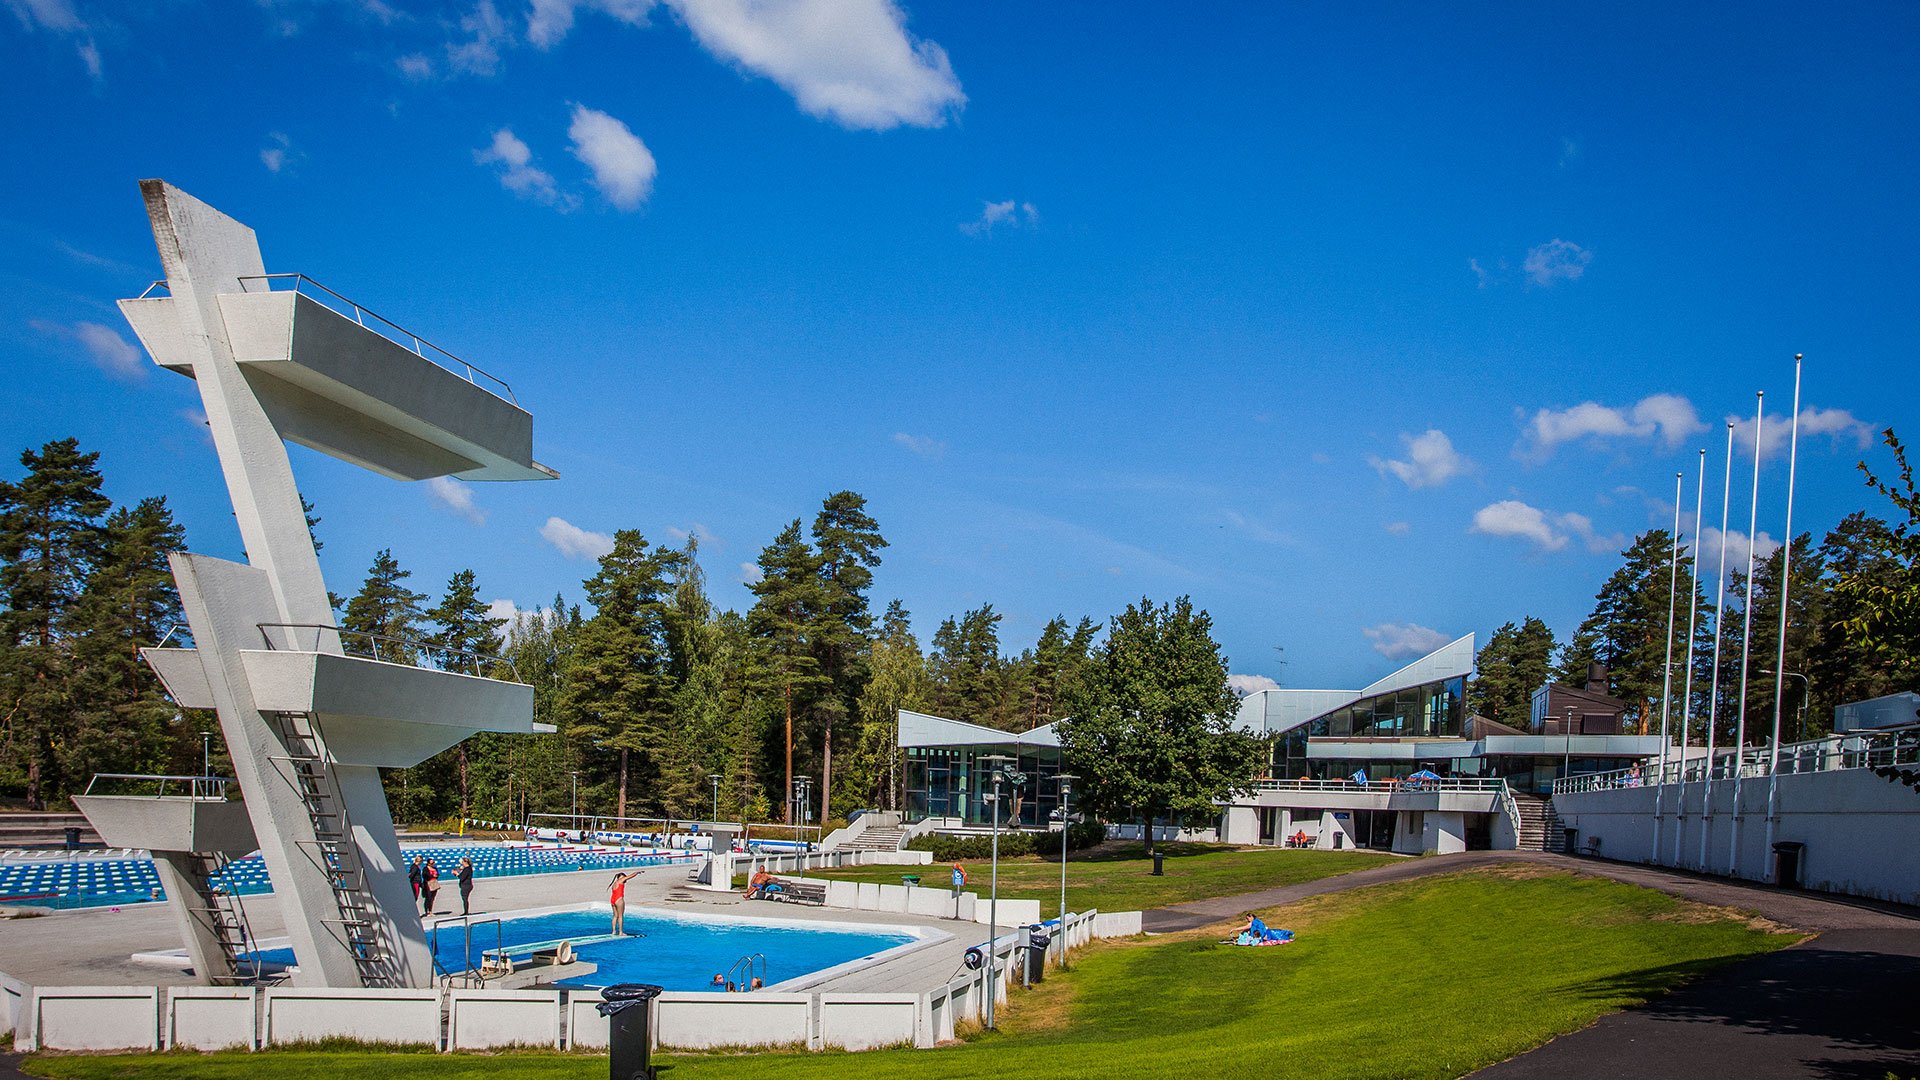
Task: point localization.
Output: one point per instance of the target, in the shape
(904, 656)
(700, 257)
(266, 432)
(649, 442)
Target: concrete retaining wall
(309, 1014)
(212, 1018)
(93, 1018)
(492, 1019)
(1860, 831)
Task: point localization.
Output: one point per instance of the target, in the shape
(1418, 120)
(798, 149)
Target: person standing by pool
(413, 876)
(465, 877)
(429, 884)
(617, 897)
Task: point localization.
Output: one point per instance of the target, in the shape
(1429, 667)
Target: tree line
(1853, 628)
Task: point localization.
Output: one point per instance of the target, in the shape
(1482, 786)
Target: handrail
(410, 651)
(1473, 784)
(746, 982)
(206, 788)
(1834, 753)
(361, 314)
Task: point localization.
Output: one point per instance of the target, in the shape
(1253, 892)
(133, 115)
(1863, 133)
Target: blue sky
(1091, 301)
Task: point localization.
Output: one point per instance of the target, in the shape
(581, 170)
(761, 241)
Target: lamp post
(802, 788)
(1566, 759)
(576, 799)
(1000, 767)
(1806, 694)
(206, 753)
(1065, 782)
(715, 778)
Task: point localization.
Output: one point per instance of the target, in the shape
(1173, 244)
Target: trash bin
(909, 879)
(1159, 869)
(1038, 942)
(1787, 855)
(73, 837)
(628, 1008)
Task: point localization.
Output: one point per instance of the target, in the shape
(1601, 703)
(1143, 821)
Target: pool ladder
(471, 977)
(745, 966)
(220, 906)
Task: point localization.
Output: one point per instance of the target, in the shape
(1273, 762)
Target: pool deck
(94, 946)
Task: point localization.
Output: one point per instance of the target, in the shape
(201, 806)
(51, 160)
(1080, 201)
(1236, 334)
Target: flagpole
(1713, 694)
(1746, 642)
(1693, 617)
(1785, 589)
(1666, 681)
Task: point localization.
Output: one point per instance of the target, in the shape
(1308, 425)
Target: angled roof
(921, 729)
(1285, 709)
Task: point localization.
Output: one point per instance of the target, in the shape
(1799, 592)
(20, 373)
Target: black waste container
(1158, 859)
(628, 1008)
(1787, 855)
(73, 837)
(1038, 942)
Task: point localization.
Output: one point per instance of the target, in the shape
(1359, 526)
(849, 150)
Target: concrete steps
(1540, 828)
(44, 830)
(878, 838)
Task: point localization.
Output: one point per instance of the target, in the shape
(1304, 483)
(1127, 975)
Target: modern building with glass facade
(1402, 765)
(948, 780)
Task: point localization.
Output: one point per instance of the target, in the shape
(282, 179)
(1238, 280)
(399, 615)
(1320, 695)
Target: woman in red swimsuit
(617, 896)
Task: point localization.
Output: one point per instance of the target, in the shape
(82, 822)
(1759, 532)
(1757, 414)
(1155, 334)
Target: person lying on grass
(1256, 932)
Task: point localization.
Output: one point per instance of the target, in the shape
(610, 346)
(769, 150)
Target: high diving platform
(310, 711)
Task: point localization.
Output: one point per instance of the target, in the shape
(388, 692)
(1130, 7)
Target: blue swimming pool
(83, 882)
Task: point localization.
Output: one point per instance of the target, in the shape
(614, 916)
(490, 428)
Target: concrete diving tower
(311, 712)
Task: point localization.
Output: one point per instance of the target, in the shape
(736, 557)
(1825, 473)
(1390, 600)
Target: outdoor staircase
(221, 908)
(335, 850)
(878, 838)
(1540, 828)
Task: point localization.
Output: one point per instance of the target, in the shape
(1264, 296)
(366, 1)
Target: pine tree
(899, 681)
(1858, 550)
(384, 617)
(467, 634)
(1882, 618)
(785, 616)
(618, 692)
(1627, 630)
(51, 539)
(1515, 662)
(1152, 731)
(969, 674)
(847, 542)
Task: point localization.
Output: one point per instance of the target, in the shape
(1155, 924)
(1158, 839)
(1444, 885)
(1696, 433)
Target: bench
(789, 891)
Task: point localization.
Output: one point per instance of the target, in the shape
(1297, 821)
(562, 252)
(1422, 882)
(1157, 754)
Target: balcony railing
(414, 652)
(1487, 785)
(144, 785)
(1835, 753)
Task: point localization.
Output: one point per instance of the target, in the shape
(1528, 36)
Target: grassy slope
(1120, 877)
(1428, 978)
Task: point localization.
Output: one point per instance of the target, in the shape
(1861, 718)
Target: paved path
(1837, 1006)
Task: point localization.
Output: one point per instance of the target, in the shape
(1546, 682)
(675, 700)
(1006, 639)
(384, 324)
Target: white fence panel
(373, 1016)
(586, 1028)
(1116, 924)
(865, 1021)
(494, 1019)
(698, 1021)
(94, 1018)
(213, 1017)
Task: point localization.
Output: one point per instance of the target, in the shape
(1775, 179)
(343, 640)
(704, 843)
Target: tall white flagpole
(1785, 590)
(1746, 643)
(1719, 619)
(1693, 617)
(1666, 681)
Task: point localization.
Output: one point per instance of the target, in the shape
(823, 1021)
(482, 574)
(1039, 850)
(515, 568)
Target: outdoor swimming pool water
(669, 949)
(83, 883)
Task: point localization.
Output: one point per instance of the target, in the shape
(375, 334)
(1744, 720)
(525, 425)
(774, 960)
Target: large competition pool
(674, 950)
(95, 882)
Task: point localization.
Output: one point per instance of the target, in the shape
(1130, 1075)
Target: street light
(802, 788)
(1566, 760)
(1806, 695)
(206, 753)
(715, 777)
(1000, 767)
(1065, 783)
(576, 801)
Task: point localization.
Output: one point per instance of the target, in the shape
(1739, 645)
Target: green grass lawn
(1426, 978)
(1119, 877)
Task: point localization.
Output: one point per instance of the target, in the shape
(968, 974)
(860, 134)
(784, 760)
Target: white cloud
(1244, 685)
(1667, 417)
(519, 174)
(112, 353)
(575, 542)
(924, 445)
(415, 67)
(1398, 528)
(695, 531)
(486, 32)
(1265, 534)
(1837, 424)
(548, 21)
(1480, 273)
(1011, 214)
(1397, 641)
(623, 167)
(60, 17)
(279, 152)
(1707, 542)
(1511, 517)
(1544, 528)
(1431, 460)
(750, 573)
(456, 497)
(1556, 260)
(1570, 151)
(850, 61)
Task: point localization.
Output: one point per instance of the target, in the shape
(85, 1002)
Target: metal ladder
(334, 849)
(221, 908)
